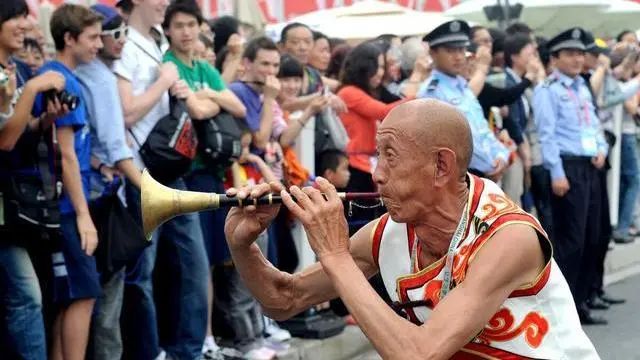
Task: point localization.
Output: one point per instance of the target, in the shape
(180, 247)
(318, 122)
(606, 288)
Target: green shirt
(200, 75)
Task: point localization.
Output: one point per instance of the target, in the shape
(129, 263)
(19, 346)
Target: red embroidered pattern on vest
(500, 328)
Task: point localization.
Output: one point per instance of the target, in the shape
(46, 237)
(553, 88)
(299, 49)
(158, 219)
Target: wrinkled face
(299, 43)
(450, 60)
(152, 11)
(183, 31)
(376, 79)
(12, 33)
(320, 55)
(570, 62)
(290, 88)
(86, 47)
(267, 63)
(402, 175)
(113, 41)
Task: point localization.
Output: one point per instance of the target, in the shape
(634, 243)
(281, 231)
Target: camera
(64, 97)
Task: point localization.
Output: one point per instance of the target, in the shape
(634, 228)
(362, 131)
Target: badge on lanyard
(589, 143)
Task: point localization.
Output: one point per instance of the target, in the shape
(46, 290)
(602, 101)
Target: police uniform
(455, 91)
(570, 138)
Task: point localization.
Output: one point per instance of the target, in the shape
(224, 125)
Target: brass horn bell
(161, 203)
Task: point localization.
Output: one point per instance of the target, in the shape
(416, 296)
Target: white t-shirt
(139, 64)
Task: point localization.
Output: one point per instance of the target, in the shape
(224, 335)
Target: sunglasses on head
(118, 33)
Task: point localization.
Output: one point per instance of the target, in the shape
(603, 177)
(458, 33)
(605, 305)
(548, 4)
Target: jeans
(629, 184)
(190, 293)
(105, 326)
(22, 303)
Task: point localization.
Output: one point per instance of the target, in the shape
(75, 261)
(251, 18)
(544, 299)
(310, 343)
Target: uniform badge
(454, 27)
(575, 34)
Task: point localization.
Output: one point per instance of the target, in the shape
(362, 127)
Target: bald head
(429, 124)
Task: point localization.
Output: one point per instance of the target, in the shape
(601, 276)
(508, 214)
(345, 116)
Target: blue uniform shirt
(566, 120)
(76, 119)
(454, 90)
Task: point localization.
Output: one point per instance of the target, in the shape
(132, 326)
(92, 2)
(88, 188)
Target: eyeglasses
(116, 34)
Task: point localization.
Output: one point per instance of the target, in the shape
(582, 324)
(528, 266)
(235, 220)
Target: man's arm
(543, 107)
(228, 101)
(458, 317)
(283, 295)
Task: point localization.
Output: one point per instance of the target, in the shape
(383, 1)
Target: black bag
(121, 237)
(32, 200)
(219, 140)
(323, 139)
(171, 146)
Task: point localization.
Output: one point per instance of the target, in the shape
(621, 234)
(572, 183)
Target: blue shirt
(454, 90)
(104, 112)
(75, 119)
(566, 121)
(251, 100)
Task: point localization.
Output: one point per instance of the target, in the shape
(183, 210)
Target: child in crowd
(334, 166)
(32, 54)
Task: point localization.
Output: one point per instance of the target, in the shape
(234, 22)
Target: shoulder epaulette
(433, 85)
(549, 80)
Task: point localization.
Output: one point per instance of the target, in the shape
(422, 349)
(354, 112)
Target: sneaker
(162, 356)
(209, 345)
(275, 332)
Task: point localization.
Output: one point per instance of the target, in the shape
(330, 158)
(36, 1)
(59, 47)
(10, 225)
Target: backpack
(219, 140)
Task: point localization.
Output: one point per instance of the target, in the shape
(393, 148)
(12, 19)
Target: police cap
(454, 33)
(573, 38)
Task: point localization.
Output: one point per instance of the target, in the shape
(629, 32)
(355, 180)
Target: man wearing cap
(573, 150)
(448, 43)
(109, 150)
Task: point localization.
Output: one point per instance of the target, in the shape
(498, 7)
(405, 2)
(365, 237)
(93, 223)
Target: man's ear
(446, 166)
(69, 39)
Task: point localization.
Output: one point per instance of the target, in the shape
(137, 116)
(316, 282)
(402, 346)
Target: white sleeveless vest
(537, 321)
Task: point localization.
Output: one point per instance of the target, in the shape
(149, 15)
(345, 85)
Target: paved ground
(619, 340)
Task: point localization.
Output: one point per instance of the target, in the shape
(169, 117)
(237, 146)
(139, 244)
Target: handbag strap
(50, 185)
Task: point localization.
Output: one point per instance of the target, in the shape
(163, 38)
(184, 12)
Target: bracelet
(100, 167)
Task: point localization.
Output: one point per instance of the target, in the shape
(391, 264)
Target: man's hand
(271, 87)
(598, 161)
(318, 104)
(604, 61)
(560, 186)
(180, 90)
(168, 74)
(234, 45)
(323, 219)
(50, 80)
(88, 234)
(483, 55)
(109, 173)
(244, 224)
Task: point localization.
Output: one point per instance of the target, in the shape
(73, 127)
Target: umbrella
(367, 19)
(619, 16)
(545, 17)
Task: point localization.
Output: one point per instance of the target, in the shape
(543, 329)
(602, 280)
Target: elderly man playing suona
(446, 233)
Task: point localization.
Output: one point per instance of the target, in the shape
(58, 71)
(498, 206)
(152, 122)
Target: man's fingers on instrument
(295, 209)
(314, 194)
(328, 189)
(302, 198)
(276, 187)
(232, 192)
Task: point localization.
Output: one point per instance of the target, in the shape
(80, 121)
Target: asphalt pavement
(620, 340)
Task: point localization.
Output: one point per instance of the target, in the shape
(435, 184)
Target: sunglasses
(118, 33)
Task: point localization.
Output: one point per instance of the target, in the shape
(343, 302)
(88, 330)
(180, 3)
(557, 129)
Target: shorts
(75, 273)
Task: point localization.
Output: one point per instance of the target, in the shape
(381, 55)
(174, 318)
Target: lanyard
(576, 100)
(448, 265)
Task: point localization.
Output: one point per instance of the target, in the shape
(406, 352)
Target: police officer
(448, 43)
(573, 149)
